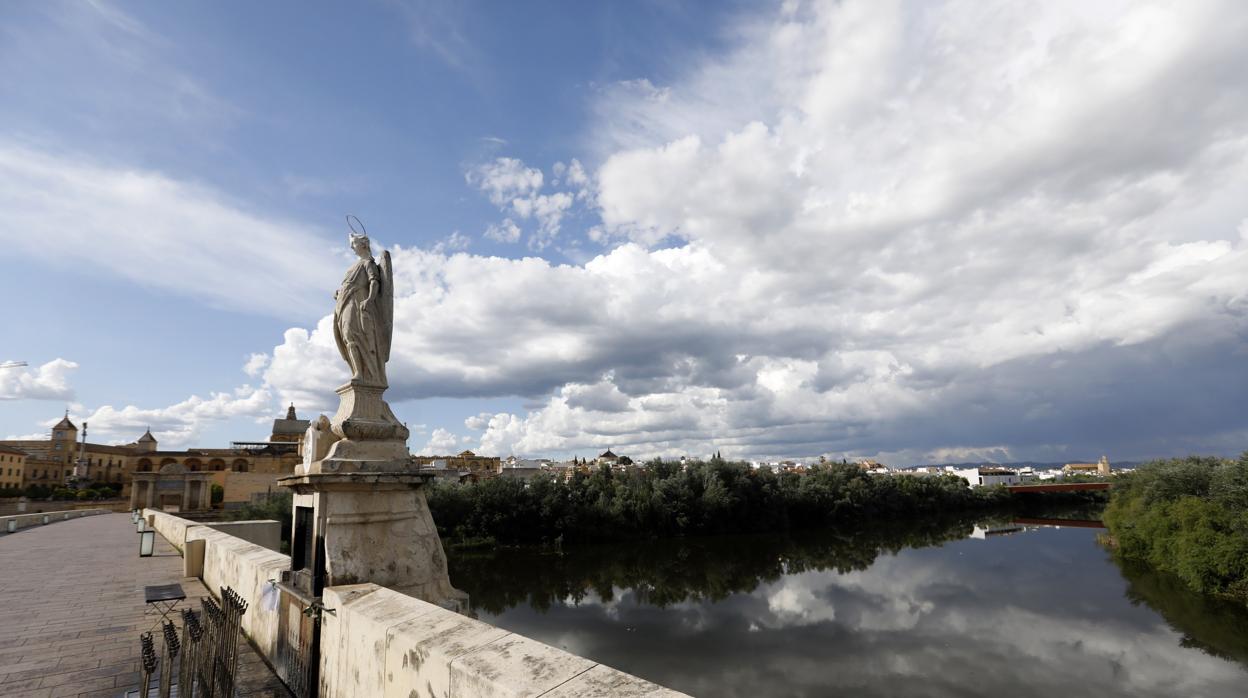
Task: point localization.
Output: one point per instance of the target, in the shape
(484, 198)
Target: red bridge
(1063, 487)
(1069, 523)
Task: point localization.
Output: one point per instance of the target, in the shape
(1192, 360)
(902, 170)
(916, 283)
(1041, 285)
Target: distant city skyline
(913, 232)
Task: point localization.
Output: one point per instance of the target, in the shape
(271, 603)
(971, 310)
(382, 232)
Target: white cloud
(47, 382)
(516, 189)
(255, 365)
(507, 231)
(181, 424)
(954, 231)
(157, 231)
(477, 422)
(549, 211)
(455, 242)
(505, 180)
(442, 442)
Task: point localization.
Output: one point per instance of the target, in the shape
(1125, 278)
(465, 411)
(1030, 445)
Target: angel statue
(364, 314)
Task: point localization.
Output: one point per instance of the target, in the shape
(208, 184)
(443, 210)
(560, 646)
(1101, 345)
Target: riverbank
(1187, 517)
(671, 500)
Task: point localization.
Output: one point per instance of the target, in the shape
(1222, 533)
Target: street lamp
(82, 466)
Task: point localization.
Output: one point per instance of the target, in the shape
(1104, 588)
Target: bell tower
(64, 438)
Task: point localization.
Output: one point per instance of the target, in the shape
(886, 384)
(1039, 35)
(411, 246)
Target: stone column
(151, 494)
(205, 494)
(186, 495)
(134, 496)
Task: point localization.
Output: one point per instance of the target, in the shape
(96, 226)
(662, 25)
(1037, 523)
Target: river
(945, 609)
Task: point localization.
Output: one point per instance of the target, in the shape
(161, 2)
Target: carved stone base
(370, 437)
(376, 527)
(364, 416)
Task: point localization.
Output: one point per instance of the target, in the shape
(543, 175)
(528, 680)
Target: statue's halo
(351, 225)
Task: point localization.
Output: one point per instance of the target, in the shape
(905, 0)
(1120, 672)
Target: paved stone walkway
(71, 610)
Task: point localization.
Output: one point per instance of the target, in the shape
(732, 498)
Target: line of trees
(1187, 516)
(666, 499)
(93, 491)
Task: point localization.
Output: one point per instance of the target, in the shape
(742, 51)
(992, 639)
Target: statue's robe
(357, 324)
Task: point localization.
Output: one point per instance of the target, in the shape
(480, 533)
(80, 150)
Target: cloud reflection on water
(1038, 614)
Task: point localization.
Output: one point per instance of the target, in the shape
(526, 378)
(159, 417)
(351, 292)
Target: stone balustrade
(9, 524)
(378, 642)
(265, 533)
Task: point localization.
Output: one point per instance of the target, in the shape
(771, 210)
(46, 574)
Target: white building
(988, 475)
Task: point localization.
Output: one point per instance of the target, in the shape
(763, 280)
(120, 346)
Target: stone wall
(27, 520)
(265, 533)
(378, 642)
(246, 568)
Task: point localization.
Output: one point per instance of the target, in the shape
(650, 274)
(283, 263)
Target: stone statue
(364, 431)
(371, 520)
(364, 314)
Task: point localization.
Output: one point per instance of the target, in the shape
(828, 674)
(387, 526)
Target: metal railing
(203, 663)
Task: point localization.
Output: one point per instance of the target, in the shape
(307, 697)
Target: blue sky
(919, 231)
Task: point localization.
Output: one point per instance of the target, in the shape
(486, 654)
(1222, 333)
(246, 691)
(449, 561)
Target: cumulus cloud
(516, 189)
(505, 180)
(179, 425)
(950, 232)
(442, 442)
(47, 382)
(455, 242)
(255, 364)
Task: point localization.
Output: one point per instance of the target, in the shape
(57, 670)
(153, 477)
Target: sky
(915, 231)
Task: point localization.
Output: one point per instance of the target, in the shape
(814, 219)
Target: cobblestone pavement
(71, 610)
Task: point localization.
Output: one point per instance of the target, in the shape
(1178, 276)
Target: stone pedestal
(375, 527)
(369, 437)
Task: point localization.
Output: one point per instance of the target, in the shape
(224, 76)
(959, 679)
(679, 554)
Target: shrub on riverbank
(665, 499)
(1187, 516)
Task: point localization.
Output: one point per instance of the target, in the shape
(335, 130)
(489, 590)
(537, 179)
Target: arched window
(193, 465)
(240, 466)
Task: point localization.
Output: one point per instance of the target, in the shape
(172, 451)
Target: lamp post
(82, 466)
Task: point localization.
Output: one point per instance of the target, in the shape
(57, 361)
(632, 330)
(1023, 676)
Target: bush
(1187, 516)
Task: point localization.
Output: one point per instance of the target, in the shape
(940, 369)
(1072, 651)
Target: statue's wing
(386, 306)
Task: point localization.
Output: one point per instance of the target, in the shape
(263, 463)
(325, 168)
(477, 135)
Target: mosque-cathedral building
(243, 468)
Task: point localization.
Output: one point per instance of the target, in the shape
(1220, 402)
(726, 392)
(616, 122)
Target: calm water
(934, 612)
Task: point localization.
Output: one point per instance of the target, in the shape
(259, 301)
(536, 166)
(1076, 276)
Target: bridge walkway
(71, 610)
